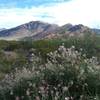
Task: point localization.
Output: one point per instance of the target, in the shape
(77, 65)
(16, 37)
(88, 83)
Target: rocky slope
(27, 30)
(39, 30)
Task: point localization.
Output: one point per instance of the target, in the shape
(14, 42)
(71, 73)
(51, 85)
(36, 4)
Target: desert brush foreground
(55, 69)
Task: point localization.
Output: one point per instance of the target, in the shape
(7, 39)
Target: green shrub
(67, 75)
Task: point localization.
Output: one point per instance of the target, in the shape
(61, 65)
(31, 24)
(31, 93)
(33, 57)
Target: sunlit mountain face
(37, 30)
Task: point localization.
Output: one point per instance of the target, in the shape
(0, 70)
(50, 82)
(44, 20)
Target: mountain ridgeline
(37, 30)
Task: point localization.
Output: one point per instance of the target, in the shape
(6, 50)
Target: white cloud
(76, 12)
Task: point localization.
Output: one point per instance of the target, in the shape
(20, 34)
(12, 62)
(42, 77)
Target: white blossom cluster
(67, 75)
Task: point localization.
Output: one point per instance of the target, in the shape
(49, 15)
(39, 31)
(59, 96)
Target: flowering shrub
(67, 75)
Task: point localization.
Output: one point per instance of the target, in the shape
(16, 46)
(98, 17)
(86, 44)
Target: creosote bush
(67, 75)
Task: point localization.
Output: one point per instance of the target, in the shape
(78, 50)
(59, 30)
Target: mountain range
(37, 30)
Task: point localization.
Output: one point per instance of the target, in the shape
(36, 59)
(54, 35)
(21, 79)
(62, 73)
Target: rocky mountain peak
(40, 30)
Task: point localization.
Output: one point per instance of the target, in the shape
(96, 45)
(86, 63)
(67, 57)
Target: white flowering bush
(67, 75)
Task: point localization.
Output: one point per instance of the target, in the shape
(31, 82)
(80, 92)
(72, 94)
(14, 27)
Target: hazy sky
(16, 12)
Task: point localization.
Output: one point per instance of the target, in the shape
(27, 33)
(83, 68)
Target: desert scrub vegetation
(68, 74)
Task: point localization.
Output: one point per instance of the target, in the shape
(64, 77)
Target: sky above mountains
(29, 3)
(16, 12)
